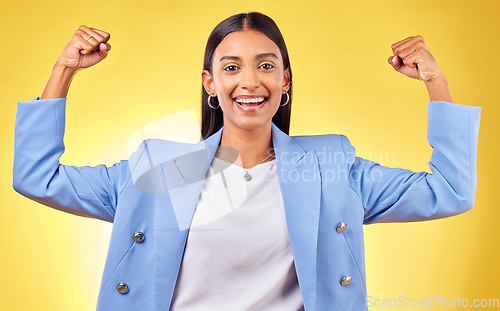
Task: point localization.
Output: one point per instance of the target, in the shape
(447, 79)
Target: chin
(250, 124)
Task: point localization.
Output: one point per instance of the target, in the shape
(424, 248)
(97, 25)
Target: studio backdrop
(342, 84)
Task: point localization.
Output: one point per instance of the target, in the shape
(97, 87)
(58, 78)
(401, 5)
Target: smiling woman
(248, 78)
(250, 218)
(270, 41)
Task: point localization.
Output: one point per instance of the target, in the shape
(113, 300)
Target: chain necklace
(247, 177)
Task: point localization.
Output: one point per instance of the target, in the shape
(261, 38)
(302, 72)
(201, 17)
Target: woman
(289, 233)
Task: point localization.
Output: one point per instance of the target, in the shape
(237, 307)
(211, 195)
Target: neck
(253, 145)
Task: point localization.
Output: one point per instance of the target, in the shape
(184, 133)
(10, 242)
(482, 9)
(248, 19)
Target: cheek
(274, 81)
(224, 89)
(223, 80)
(274, 85)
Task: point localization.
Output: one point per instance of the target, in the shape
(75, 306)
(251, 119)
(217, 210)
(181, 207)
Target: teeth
(250, 100)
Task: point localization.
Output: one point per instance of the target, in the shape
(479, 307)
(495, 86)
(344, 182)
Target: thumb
(395, 62)
(103, 49)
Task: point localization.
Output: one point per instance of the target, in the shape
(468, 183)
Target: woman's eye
(230, 68)
(267, 66)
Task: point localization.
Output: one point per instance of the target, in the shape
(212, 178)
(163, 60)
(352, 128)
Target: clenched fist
(87, 47)
(413, 59)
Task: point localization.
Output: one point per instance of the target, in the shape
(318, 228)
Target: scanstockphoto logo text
(327, 155)
(330, 175)
(335, 166)
(432, 302)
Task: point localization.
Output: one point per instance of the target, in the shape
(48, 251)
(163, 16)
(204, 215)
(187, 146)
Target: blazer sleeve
(399, 195)
(38, 175)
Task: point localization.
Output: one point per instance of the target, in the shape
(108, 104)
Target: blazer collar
(300, 184)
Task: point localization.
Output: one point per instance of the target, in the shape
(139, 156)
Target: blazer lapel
(181, 180)
(300, 183)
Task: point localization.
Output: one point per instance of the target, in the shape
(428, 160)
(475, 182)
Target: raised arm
(38, 144)
(398, 195)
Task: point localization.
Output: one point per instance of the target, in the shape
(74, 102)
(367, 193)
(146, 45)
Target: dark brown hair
(211, 119)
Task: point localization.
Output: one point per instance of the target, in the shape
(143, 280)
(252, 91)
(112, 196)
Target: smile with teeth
(250, 104)
(255, 100)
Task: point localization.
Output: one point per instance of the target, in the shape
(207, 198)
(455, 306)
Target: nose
(249, 80)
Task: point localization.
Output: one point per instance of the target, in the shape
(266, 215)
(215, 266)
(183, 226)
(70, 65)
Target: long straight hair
(212, 119)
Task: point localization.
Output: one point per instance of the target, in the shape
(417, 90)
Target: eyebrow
(262, 55)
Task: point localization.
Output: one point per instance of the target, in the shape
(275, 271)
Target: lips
(250, 103)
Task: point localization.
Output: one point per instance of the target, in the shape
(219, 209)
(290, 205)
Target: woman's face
(248, 79)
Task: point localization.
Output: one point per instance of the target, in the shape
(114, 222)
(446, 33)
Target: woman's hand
(413, 59)
(87, 47)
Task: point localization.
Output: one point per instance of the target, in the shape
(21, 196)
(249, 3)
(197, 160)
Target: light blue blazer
(328, 195)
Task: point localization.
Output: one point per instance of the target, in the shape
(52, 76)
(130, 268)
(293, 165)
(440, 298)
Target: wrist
(438, 89)
(435, 79)
(59, 82)
(63, 70)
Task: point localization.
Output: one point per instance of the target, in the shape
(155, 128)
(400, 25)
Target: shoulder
(319, 142)
(329, 146)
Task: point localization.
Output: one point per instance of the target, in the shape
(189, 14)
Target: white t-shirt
(238, 254)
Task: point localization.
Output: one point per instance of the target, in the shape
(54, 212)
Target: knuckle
(79, 34)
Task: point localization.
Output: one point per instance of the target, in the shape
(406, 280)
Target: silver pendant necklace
(247, 177)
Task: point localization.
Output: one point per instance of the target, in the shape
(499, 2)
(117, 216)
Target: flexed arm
(87, 47)
(399, 195)
(38, 144)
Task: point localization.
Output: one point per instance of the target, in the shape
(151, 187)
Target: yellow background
(342, 84)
